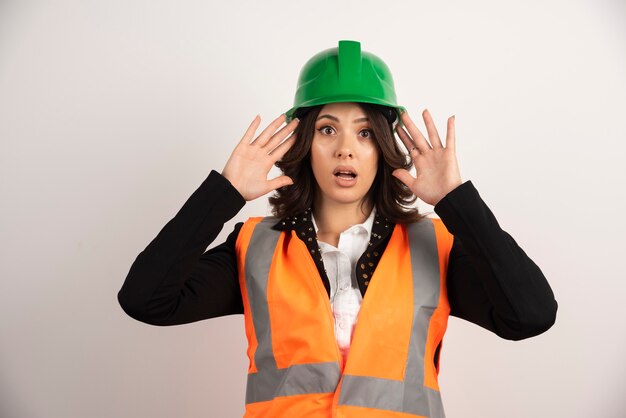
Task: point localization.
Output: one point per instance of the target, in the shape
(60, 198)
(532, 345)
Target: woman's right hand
(250, 163)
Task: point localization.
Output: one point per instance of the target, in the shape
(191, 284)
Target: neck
(334, 218)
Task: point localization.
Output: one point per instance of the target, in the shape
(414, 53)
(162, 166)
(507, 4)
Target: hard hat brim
(343, 98)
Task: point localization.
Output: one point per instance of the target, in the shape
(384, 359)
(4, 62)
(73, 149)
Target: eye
(324, 128)
(370, 133)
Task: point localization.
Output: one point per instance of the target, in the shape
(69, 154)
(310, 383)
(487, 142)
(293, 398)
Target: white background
(113, 112)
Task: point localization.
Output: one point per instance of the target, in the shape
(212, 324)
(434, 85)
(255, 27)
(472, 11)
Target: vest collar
(304, 229)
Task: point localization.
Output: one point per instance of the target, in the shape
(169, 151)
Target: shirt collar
(367, 224)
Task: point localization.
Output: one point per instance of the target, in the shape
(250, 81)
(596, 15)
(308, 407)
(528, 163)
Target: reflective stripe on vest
(290, 326)
(269, 381)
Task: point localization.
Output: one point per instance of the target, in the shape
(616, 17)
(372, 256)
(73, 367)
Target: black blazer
(491, 281)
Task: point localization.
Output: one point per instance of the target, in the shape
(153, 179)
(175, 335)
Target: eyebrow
(331, 117)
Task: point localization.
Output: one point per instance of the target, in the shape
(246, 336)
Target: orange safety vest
(296, 368)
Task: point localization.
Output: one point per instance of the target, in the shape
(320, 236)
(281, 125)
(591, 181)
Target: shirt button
(342, 324)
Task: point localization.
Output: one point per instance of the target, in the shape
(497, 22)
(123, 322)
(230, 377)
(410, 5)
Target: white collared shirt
(340, 263)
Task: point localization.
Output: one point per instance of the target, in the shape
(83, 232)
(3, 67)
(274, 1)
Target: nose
(345, 147)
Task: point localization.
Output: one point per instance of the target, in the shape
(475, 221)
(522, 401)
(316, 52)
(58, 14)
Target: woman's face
(343, 137)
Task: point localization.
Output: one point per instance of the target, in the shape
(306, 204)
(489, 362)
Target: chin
(346, 196)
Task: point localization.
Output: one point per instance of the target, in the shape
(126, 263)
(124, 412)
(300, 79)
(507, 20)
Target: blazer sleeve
(491, 281)
(173, 280)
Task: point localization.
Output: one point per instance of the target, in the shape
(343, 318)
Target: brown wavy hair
(390, 196)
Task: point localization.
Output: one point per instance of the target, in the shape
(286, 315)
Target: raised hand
(250, 163)
(436, 167)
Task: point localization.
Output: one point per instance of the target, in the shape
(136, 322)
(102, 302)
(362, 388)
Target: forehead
(343, 109)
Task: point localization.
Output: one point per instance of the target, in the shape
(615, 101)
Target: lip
(345, 168)
(341, 182)
(345, 182)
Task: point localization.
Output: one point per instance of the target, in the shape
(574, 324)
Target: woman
(345, 291)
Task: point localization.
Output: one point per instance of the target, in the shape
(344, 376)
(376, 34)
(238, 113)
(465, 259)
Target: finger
(280, 182)
(269, 131)
(282, 134)
(433, 135)
(251, 130)
(404, 176)
(451, 135)
(278, 152)
(408, 142)
(416, 135)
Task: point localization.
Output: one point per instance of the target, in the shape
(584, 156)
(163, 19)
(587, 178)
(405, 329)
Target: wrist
(447, 191)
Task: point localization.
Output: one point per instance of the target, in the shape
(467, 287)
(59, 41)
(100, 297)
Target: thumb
(280, 182)
(403, 175)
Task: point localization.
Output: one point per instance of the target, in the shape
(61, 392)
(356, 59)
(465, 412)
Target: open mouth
(345, 172)
(345, 175)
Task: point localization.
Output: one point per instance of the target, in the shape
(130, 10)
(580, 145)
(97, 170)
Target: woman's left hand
(437, 171)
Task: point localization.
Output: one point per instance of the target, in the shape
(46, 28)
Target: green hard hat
(345, 74)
